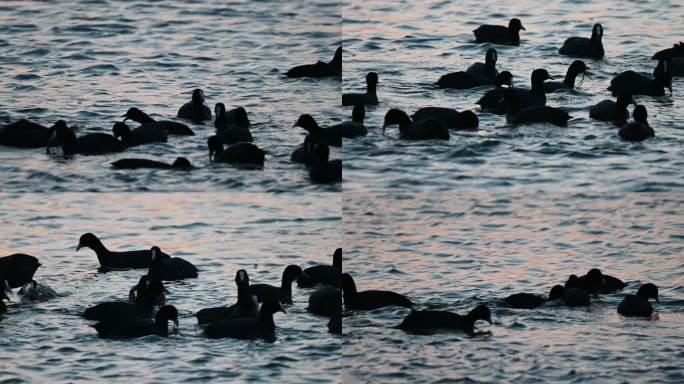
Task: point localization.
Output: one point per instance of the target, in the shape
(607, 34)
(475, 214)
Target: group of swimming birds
(528, 106)
(146, 311)
(232, 129)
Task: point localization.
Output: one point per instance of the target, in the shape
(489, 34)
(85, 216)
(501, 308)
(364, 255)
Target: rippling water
(411, 44)
(452, 256)
(49, 342)
(88, 61)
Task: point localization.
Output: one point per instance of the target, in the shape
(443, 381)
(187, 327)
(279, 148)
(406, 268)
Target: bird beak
(489, 320)
(78, 247)
(523, 28)
(588, 74)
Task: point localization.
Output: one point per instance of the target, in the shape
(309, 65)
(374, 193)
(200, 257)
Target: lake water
(411, 44)
(454, 251)
(88, 61)
(49, 342)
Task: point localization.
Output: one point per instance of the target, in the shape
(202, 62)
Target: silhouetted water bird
(577, 67)
(323, 274)
(88, 144)
(24, 134)
(638, 305)
(18, 269)
(171, 127)
(427, 129)
(181, 163)
(498, 34)
(195, 110)
(368, 98)
(137, 327)
(320, 69)
(246, 305)
(637, 84)
(612, 111)
(585, 47)
(639, 130)
(369, 300)
(449, 117)
(262, 327)
(238, 153)
(422, 321)
(283, 293)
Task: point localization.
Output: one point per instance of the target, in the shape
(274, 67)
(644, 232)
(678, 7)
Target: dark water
(411, 44)
(50, 342)
(87, 62)
(456, 250)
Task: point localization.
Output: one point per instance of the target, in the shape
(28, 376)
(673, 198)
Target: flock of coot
(145, 311)
(528, 105)
(231, 143)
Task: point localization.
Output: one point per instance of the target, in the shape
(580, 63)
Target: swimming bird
(246, 328)
(18, 269)
(638, 305)
(181, 163)
(325, 301)
(144, 134)
(282, 294)
(232, 126)
(490, 101)
(531, 300)
(173, 268)
(110, 310)
(331, 136)
(322, 170)
(533, 114)
(637, 84)
(368, 98)
(195, 110)
(323, 274)
(612, 111)
(369, 300)
(246, 305)
(488, 68)
(422, 321)
(449, 117)
(171, 127)
(535, 96)
(674, 57)
(238, 153)
(577, 67)
(596, 282)
(576, 297)
(34, 292)
(415, 130)
(499, 34)
(24, 134)
(88, 144)
(585, 47)
(639, 130)
(320, 69)
(137, 327)
(353, 128)
(464, 80)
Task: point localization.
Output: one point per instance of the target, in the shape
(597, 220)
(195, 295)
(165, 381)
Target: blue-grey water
(88, 61)
(50, 342)
(453, 251)
(411, 44)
